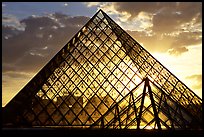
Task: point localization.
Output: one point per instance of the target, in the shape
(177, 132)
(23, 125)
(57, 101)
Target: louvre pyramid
(103, 78)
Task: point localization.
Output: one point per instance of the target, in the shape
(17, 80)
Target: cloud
(171, 14)
(65, 4)
(168, 17)
(177, 51)
(10, 20)
(198, 80)
(161, 27)
(42, 38)
(187, 39)
(9, 31)
(92, 4)
(164, 12)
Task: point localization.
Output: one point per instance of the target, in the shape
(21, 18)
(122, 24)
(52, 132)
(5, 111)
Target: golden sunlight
(184, 66)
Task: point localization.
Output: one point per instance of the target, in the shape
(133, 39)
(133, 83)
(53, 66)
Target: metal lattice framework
(95, 81)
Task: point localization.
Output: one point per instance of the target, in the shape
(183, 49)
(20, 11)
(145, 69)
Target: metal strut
(141, 106)
(153, 104)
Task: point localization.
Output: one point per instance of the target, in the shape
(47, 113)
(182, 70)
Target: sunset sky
(32, 33)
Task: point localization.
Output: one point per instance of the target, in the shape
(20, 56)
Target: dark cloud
(42, 38)
(164, 43)
(170, 17)
(33, 23)
(187, 39)
(11, 20)
(165, 13)
(135, 7)
(175, 25)
(177, 51)
(9, 31)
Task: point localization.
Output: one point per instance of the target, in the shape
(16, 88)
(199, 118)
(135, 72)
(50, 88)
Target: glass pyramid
(103, 78)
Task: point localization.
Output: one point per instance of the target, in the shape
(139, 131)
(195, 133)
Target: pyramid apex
(100, 10)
